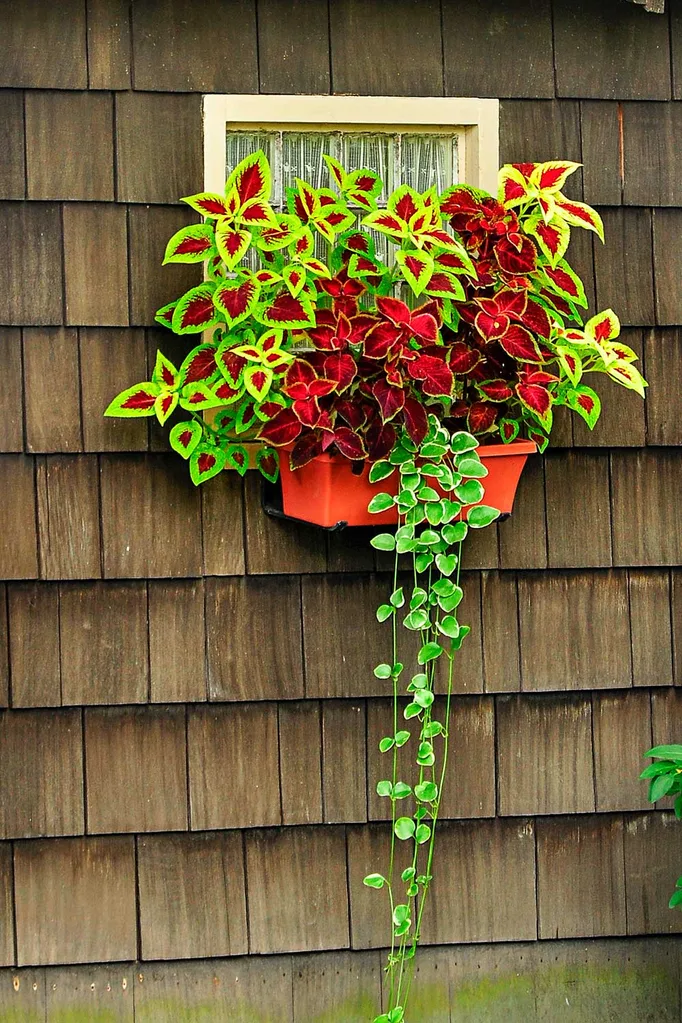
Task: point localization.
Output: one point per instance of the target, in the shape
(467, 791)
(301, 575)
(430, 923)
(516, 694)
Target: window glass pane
(371, 152)
(240, 144)
(428, 160)
(302, 154)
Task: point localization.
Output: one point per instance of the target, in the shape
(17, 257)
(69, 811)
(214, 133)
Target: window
(419, 141)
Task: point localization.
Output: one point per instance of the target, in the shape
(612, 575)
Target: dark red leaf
(282, 429)
(462, 359)
(390, 399)
(481, 417)
(536, 397)
(349, 444)
(416, 423)
(519, 343)
(515, 261)
(435, 374)
(307, 448)
(496, 390)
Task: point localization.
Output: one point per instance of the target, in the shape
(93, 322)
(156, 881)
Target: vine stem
(394, 777)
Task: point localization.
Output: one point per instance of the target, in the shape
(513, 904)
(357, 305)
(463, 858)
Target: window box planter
(327, 492)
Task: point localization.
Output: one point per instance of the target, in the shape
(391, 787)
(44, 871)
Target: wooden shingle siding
(75, 900)
(190, 723)
(176, 47)
(11, 391)
(58, 164)
(411, 41)
(158, 147)
(12, 145)
(508, 55)
(192, 896)
(608, 51)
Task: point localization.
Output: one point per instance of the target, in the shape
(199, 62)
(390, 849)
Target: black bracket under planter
(271, 502)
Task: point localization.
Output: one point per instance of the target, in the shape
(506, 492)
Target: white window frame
(475, 121)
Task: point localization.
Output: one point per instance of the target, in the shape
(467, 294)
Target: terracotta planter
(326, 492)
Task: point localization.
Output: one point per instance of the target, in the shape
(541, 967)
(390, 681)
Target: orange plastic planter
(327, 492)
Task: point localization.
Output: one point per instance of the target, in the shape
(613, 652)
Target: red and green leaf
(603, 327)
(164, 315)
(565, 282)
(520, 344)
(165, 405)
(553, 238)
(294, 278)
(135, 401)
(199, 365)
(387, 223)
(251, 179)
(236, 299)
(580, 215)
(197, 397)
(417, 269)
(210, 204)
(586, 403)
(191, 244)
(481, 417)
(257, 380)
(205, 462)
(509, 430)
(165, 374)
(496, 390)
(282, 430)
(442, 285)
(623, 372)
(287, 311)
(273, 237)
(233, 244)
(195, 311)
(237, 457)
(267, 462)
(512, 187)
(552, 176)
(184, 437)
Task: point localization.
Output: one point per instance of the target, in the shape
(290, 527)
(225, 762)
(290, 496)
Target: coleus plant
(475, 319)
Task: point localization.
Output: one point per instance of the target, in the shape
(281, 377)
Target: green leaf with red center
(229, 363)
(135, 401)
(165, 374)
(552, 175)
(417, 269)
(236, 299)
(457, 262)
(361, 188)
(237, 457)
(336, 171)
(251, 179)
(496, 390)
(227, 394)
(199, 365)
(317, 267)
(306, 201)
(195, 311)
(303, 245)
(481, 417)
(287, 311)
(387, 223)
(603, 327)
(520, 344)
(267, 462)
(552, 238)
(564, 281)
(164, 315)
(266, 278)
(210, 204)
(442, 285)
(184, 437)
(191, 244)
(196, 397)
(332, 220)
(536, 398)
(512, 187)
(165, 405)
(268, 409)
(257, 380)
(283, 429)
(358, 241)
(539, 438)
(509, 430)
(257, 213)
(232, 244)
(360, 267)
(580, 215)
(273, 238)
(571, 363)
(294, 278)
(623, 372)
(586, 403)
(404, 202)
(205, 462)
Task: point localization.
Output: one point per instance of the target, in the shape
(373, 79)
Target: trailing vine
(439, 481)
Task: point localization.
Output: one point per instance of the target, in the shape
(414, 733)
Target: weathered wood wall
(188, 754)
